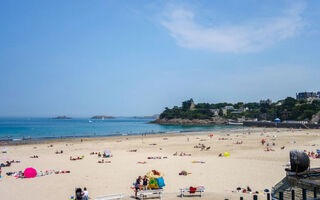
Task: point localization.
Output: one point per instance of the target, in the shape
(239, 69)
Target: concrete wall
(280, 125)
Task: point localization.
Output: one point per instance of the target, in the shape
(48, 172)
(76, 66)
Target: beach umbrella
(30, 172)
(107, 151)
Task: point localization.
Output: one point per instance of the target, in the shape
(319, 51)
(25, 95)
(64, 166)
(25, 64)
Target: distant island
(303, 109)
(102, 117)
(62, 117)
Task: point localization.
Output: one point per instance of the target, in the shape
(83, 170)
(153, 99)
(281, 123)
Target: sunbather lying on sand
(184, 154)
(77, 158)
(157, 157)
(103, 161)
(184, 173)
(141, 162)
(199, 146)
(269, 149)
(8, 163)
(59, 152)
(132, 150)
(34, 156)
(198, 162)
(205, 148)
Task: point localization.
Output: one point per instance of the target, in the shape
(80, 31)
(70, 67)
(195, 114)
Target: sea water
(46, 128)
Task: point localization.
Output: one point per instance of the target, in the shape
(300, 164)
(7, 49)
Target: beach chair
(144, 193)
(191, 191)
(111, 196)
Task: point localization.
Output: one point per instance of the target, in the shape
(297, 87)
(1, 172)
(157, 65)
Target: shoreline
(239, 129)
(41, 140)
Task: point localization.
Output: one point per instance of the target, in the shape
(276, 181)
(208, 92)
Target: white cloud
(251, 36)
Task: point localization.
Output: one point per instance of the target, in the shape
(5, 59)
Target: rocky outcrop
(179, 121)
(316, 118)
(62, 117)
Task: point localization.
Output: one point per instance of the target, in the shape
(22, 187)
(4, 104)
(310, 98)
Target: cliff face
(316, 118)
(179, 121)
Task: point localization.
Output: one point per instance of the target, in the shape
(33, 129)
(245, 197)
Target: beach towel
(160, 182)
(153, 184)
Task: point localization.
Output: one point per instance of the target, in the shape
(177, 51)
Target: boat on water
(90, 121)
(235, 123)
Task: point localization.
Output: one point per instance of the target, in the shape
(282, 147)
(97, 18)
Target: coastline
(47, 140)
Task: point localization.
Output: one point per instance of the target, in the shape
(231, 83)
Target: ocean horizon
(19, 128)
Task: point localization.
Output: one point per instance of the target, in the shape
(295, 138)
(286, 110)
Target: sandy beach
(248, 164)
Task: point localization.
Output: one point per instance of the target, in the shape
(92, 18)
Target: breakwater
(281, 125)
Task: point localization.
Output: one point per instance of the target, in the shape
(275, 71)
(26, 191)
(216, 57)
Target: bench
(183, 190)
(144, 193)
(111, 196)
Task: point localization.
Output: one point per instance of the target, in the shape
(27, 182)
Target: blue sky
(123, 58)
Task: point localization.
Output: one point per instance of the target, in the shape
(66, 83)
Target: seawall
(281, 125)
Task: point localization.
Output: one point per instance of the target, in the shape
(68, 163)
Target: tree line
(286, 109)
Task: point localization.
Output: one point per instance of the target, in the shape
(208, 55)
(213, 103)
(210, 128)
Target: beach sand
(247, 165)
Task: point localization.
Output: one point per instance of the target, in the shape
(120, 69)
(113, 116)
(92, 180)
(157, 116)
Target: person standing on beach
(0, 171)
(145, 182)
(137, 185)
(85, 193)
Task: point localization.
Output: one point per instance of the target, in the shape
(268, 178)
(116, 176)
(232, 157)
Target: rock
(180, 121)
(316, 118)
(62, 117)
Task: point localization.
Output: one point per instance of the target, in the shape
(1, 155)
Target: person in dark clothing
(137, 185)
(145, 182)
(78, 194)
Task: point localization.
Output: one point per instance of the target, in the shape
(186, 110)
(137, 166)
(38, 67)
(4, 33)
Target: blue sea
(48, 128)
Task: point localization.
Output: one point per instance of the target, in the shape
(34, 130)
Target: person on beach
(145, 182)
(0, 171)
(85, 194)
(137, 185)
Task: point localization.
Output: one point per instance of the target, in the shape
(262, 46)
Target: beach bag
(153, 184)
(160, 182)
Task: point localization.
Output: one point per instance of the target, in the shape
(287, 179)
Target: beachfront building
(240, 110)
(268, 101)
(306, 95)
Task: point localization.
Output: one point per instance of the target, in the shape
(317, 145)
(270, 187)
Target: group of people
(182, 154)
(8, 163)
(103, 161)
(82, 194)
(34, 156)
(141, 184)
(59, 152)
(313, 154)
